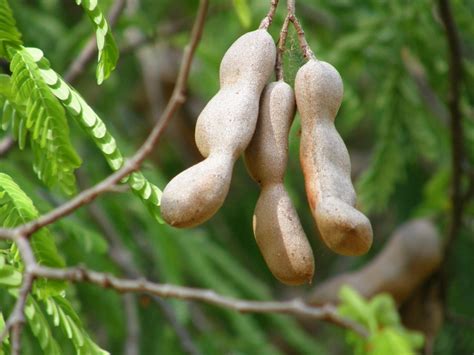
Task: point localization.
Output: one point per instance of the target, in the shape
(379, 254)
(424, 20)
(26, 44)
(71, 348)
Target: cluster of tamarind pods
(251, 116)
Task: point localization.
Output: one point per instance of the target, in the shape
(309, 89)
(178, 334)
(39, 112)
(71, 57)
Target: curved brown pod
(223, 130)
(413, 252)
(325, 161)
(277, 229)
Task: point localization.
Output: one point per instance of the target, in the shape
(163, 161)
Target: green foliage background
(399, 146)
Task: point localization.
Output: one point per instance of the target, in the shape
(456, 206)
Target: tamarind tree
(98, 105)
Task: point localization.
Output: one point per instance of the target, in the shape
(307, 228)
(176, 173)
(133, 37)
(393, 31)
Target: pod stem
(305, 48)
(281, 48)
(267, 20)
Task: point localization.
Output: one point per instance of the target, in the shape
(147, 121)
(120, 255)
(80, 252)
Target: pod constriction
(277, 229)
(325, 161)
(223, 130)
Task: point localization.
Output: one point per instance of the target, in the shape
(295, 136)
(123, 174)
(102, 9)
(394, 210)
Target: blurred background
(393, 57)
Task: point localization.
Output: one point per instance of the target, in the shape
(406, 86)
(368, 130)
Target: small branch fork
(305, 48)
(267, 20)
(290, 17)
(281, 48)
(80, 274)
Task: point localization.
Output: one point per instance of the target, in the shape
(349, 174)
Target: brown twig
(457, 143)
(281, 48)
(16, 320)
(305, 48)
(176, 100)
(294, 307)
(267, 20)
(77, 67)
(124, 259)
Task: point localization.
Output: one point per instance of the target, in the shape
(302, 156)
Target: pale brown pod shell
(223, 130)
(325, 161)
(277, 229)
(281, 238)
(228, 121)
(413, 252)
(266, 156)
(197, 193)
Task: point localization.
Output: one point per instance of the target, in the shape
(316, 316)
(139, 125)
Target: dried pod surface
(277, 229)
(413, 252)
(223, 130)
(325, 161)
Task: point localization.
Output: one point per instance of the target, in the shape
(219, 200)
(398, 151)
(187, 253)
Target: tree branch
(16, 320)
(457, 144)
(267, 20)
(175, 102)
(294, 307)
(124, 259)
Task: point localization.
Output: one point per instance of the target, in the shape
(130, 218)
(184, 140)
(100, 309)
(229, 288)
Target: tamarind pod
(325, 161)
(223, 130)
(277, 229)
(413, 252)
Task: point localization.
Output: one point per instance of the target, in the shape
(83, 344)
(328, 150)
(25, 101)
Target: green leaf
(65, 317)
(9, 276)
(2, 326)
(9, 34)
(85, 237)
(42, 117)
(436, 197)
(243, 12)
(377, 184)
(355, 307)
(95, 128)
(380, 316)
(5, 85)
(16, 208)
(40, 327)
(390, 342)
(107, 48)
(384, 309)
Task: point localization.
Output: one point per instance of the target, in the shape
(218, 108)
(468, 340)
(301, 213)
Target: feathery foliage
(107, 49)
(40, 327)
(9, 34)
(43, 119)
(380, 316)
(16, 208)
(92, 124)
(65, 317)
